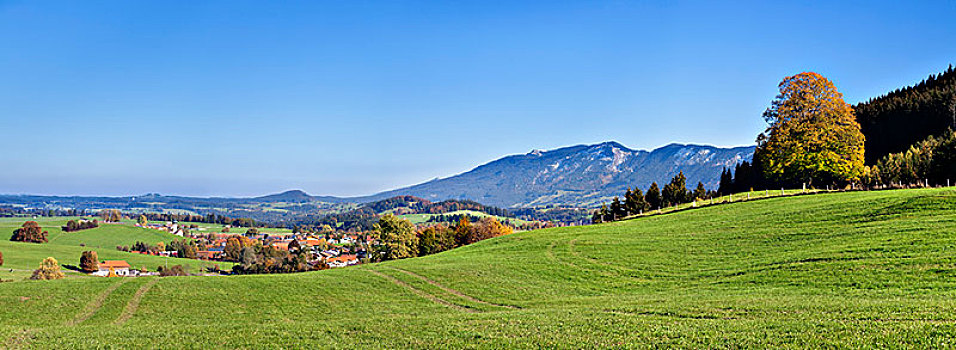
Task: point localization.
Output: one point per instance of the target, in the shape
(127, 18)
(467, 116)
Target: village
(329, 250)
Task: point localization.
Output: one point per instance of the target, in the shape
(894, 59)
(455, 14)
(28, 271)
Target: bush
(175, 270)
(49, 270)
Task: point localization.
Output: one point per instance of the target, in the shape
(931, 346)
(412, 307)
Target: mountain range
(582, 175)
(575, 176)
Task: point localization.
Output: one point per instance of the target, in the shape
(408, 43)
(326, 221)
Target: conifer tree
(653, 196)
(700, 192)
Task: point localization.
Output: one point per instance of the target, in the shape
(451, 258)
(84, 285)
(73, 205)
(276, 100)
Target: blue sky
(235, 98)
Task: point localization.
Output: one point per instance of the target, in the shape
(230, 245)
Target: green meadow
(20, 259)
(423, 218)
(829, 270)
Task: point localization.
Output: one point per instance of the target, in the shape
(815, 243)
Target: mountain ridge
(578, 175)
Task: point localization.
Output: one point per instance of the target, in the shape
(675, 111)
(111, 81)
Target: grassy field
(858, 269)
(20, 259)
(422, 218)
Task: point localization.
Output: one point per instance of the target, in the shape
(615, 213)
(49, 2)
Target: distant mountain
(581, 175)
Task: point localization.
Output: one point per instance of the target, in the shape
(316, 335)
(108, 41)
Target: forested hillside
(893, 122)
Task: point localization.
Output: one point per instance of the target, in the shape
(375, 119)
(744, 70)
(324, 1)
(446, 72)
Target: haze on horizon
(227, 98)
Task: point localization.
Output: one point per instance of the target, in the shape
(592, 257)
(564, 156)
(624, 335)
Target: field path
(95, 304)
(420, 292)
(451, 291)
(134, 302)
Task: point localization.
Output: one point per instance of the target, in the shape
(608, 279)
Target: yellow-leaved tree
(812, 134)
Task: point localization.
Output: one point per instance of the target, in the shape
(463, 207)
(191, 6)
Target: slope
(854, 269)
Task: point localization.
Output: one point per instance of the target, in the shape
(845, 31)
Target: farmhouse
(342, 260)
(118, 267)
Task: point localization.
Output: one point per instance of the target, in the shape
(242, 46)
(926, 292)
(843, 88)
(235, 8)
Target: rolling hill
(857, 269)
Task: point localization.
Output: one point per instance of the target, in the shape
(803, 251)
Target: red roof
(115, 264)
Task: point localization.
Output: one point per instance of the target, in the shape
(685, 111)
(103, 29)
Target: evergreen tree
(726, 182)
(617, 209)
(599, 214)
(634, 202)
(676, 191)
(700, 192)
(653, 196)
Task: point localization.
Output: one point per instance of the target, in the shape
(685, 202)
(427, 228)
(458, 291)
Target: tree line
(636, 202)
(30, 232)
(398, 238)
(209, 219)
(73, 225)
(928, 162)
(893, 122)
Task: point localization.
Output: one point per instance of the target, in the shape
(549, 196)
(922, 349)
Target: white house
(119, 267)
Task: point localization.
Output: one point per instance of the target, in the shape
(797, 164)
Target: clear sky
(235, 98)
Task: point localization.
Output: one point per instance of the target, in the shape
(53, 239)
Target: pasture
(857, 269)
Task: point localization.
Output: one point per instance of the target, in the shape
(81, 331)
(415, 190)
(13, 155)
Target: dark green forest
(895, 121)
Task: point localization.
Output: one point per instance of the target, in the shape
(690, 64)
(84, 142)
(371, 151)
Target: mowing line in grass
(134, 303)
(95, 304)
(420, 292)
(452, 291)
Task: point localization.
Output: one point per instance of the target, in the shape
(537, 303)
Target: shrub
(175, 270)
(49, 270)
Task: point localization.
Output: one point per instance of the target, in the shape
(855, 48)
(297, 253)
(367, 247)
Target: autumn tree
(89, 261)
(111, 215)
(30, 232)
(233, 249)
(49, 270)
(434, 239)
(653, 196)
(489, 227)
(812, 134)
(397, 237)
(462, 229)
(142, 220)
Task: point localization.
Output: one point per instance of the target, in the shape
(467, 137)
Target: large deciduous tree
(49, 270)
(812, 134)
(397, 237)
(30, 232)
(89, 261)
